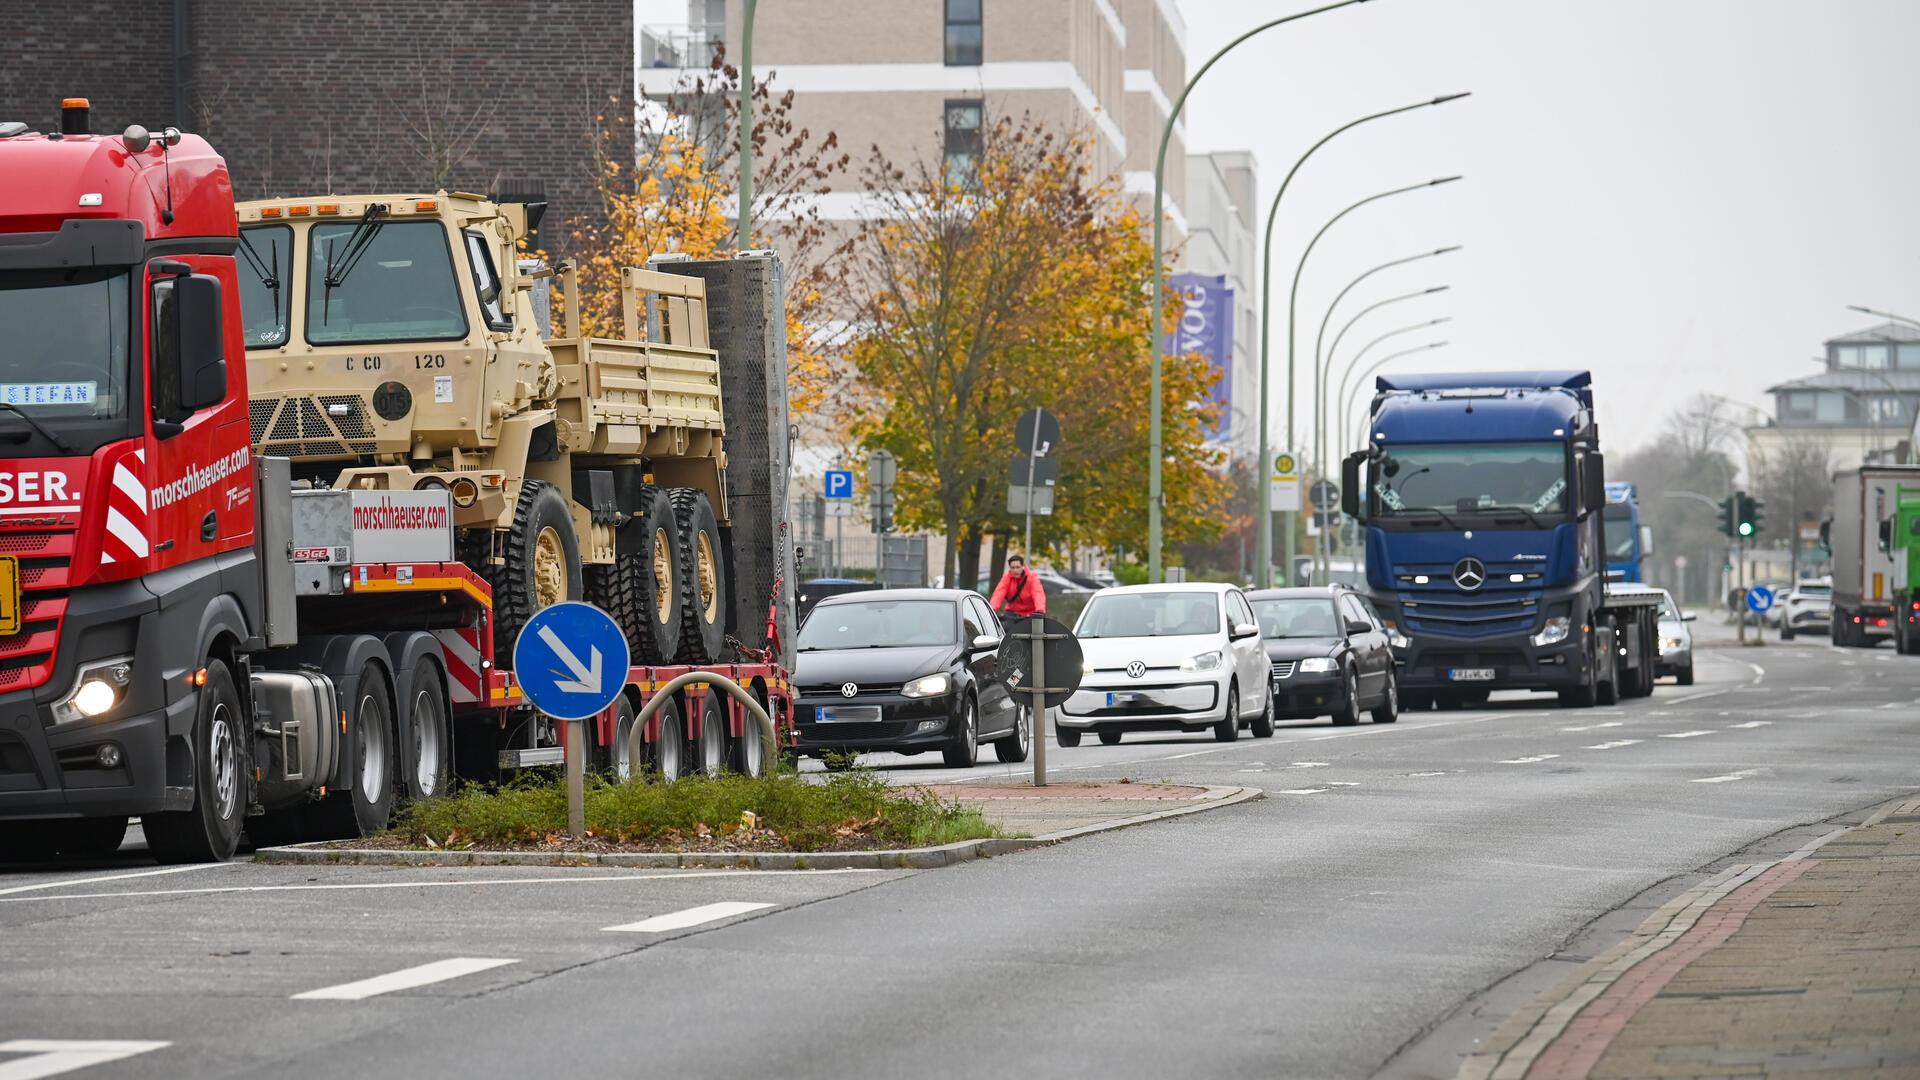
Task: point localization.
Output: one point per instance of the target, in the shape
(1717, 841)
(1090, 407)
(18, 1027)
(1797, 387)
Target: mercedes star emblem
(849, 689)
(1469, 573)
(1136, 668)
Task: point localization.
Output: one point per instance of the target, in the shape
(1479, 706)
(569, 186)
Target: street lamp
(1883, 315)
(1156, 316)
(1325, 379)
(1344, 398)
(745, 230)
(1263, 527)
(1320, 338)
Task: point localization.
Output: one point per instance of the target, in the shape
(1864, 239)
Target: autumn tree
(1018, 284)
(677, 194)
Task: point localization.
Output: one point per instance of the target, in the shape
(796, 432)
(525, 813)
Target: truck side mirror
(1593, 482)
(1350, 484)
(1826, 534)
(1886, 535)
(1646, 540)
(189, 350)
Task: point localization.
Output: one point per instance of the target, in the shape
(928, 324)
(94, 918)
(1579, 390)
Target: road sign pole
(1037, 638)
(1740, 577)
(1026, 547)
(577, 779)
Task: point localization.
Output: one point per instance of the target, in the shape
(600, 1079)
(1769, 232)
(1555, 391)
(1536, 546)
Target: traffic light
(1727, 508)
(1748, 522)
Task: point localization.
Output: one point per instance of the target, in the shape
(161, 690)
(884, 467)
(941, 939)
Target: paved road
(1391, 874)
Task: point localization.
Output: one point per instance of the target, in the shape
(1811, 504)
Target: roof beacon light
(73, 116)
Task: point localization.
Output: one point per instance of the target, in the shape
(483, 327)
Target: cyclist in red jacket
(1019, 592)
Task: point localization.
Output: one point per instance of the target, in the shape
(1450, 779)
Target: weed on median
(783, 812)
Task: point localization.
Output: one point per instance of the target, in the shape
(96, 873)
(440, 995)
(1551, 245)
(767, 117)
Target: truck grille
(302, 427)
(1283, 669)
(26, 658)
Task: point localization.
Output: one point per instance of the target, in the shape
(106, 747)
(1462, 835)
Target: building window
(1869, 357)
(963, 33)
(1887, 409)
(1830, 408)
(1909, 358)
(963, 120)
(1796, 405)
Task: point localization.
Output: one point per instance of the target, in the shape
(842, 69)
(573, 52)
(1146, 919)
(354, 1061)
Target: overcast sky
(1680, 195)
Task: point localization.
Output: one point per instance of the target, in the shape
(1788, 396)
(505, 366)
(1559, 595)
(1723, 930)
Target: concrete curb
(928, 858)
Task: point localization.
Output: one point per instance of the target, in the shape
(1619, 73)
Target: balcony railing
(680, 46)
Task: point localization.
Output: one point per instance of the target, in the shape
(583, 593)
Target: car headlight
(1319, 663)
(928, 685)
(1206, 661)
(98, 689)
(1672, 644)
(1554, 632)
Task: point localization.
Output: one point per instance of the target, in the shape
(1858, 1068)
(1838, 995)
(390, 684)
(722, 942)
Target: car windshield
(67, 343)
(879, 624)
(1415, 480)
(1618, 520)
(1668, 611)
(400, 288)
(1305, 616)
(1150, 614)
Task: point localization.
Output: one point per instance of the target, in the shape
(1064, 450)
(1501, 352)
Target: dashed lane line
(1528, 760)
(51, 1057)
(353, 885)
(1685, 734)
(1752, 724)
(1596, 727)
(691, 917)
(1615, 745)
(1301, 791)
(1741, 775)
(405, 979)
(102, 879)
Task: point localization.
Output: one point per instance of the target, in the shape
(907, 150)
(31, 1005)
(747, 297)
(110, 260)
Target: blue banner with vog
(1206, 327)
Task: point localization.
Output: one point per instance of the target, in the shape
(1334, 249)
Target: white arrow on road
(586, 677)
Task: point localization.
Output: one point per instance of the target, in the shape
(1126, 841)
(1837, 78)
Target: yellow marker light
(328, 208)
(299, 211)
(426, 204)
(269, 211)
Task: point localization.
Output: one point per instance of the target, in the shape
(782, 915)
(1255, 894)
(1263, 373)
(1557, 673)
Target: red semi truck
(187, 634)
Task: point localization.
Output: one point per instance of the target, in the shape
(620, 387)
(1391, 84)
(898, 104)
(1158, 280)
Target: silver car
(1807, 609)
(1676, 642)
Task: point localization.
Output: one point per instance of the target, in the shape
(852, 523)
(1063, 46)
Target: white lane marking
(51, 1057)
(1698, 697)
(693, 916)
(1343, 783)
(96, 880)
(1528, 760)
(1752, 724)
(1177, 757)
(628, 878)
(1615, 744)
(1684, 734)
(1741, 775)
(1308, 765)
(1759, 672)
(1893, 705)
(1300, 791)
(1595, 727)
(404, 979)
(1426, 774)
(1808, 689)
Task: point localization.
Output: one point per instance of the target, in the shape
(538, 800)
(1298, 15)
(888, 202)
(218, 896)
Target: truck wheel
(667, 753)
(367, 808)
(427, 716)
(612, 759)
(641, 589)
(543, 564)
(210, 831)
(750, 749)
(703, 580)
(711, 751)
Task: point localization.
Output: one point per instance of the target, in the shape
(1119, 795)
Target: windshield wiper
(48, 433)
(1434, 510)
(264, 270)
(1528, 514)
(358, 241)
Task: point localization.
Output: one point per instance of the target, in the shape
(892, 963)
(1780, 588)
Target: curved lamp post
(1155, 345)
(1343, 398)
(1348, 406)
(1264, 519)
(1322, 422)
(745, 231)
(1884, 315)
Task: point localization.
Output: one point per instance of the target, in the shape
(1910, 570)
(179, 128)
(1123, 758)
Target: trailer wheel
(367, 808)
(750, 749)
(703, 584)
(614, 760)
(711, 750)
(641, 590)
(542, 567)
(210, 831)
(667, 754)
(427, 714)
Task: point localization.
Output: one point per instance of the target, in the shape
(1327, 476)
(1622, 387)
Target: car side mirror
(1688, 617)
(983, 642)
(1245, 630)
(1593, 482)
(1358, 626)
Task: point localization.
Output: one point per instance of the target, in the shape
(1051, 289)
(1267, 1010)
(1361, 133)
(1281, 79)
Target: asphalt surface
(1391, 875)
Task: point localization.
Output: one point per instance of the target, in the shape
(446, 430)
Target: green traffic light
(1746, 528)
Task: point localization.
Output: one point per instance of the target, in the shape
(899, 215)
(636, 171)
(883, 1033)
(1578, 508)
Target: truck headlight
(98, 688)
(1206, 661)
(1321, 664)
(1554, 632)
(928, 686)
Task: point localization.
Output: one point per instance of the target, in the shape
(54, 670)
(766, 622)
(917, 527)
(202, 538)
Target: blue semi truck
(1483, 497)
(1629, 539)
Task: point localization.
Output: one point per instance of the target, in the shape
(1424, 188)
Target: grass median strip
(852, 811)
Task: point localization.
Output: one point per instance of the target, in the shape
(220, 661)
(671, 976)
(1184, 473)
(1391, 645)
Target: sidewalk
(1809, 966)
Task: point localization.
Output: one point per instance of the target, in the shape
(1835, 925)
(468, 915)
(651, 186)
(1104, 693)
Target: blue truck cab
(1629, 539)
(1482, 496)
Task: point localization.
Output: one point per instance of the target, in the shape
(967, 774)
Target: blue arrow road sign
(571, 660)
(839, 483)
(1759, 599)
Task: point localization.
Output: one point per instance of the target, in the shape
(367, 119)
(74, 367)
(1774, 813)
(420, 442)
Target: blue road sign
(571, 660)
(839, 483)
(1759, 599)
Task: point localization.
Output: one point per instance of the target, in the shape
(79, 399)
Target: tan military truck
(393, 343)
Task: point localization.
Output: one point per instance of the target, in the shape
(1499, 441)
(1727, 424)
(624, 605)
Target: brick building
(351, 95)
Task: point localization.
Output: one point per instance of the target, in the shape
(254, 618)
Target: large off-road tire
(429, 724)
(222, 775)
(703, 577)
(542, 567)
(372, 756)
(641, 590)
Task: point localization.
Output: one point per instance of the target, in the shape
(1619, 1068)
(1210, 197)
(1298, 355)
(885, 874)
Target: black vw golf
(1329, 654)
(906, 670)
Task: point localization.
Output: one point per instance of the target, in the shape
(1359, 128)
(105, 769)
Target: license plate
(9, 594)
(1470, 674)
(849, 714)
(1121, 697)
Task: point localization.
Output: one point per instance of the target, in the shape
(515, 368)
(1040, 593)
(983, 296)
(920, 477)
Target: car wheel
(1348, 713)
(1389, 708)
(1263, 724)
(964, 750)
(1013, 748)
(1228, 729)
(1109, 738)
(1685, 675)
(1068, 737)
(1786, 633)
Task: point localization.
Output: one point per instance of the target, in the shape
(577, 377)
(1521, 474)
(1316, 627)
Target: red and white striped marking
(126, 536)
(461, 647)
